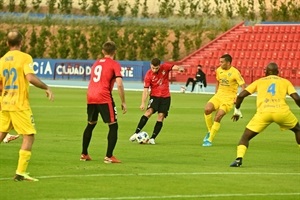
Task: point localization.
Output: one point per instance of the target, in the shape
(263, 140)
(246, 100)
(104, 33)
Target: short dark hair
(272, 69)
(227, 57)
(109, 47)
(199, 66)
(155, 62)
(14, 38)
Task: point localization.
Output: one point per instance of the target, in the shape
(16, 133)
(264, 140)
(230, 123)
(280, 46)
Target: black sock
(141, 124)
(157, 129)
(112, 138)
(86, 138)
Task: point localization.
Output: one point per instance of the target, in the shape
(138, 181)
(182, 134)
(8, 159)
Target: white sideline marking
(191, 196)
(165, 174)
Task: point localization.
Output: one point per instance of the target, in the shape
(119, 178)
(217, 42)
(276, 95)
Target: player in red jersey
(157, 81)
(104, 73)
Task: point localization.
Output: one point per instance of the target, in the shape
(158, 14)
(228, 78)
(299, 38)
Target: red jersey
(102, 80)
(159, 82)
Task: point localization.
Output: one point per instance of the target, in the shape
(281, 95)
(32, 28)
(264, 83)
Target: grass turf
(177, 167)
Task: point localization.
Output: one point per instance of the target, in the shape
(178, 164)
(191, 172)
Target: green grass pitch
(177, 167)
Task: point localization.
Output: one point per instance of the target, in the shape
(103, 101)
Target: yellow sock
(214, 129)
(208, 121)
(24, 157)
(241, 151)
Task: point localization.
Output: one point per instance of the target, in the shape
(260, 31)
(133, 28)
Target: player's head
(272, 69)
(155, 64)
(14, 38)
(199, 67)
(225, 61)
(109, 48)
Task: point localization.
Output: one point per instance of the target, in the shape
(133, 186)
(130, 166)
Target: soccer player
(271, 107)
(16, 72)
(228, 81)
(157, 81)
(104, 73)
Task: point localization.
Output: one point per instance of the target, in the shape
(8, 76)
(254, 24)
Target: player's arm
(178, 68)
(34, 80)
(237, 114)
(217, 86)
(144, 97)
(1, 86)
(240, 98)
(296, 98)
(121, 92)
(243, 87)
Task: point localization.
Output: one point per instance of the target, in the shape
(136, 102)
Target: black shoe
(237, 162)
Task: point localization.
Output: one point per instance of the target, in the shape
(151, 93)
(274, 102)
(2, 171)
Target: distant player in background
(157, 81)
(199, 77)
(104, 73)
(16, 72)
(271, 107)
(228, 81)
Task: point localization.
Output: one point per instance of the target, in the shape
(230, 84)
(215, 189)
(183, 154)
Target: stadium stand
(252, 48)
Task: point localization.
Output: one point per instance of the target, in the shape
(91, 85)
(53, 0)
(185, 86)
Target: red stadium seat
(293, 29)
(296, 37)
(276, 37)
(276, 29)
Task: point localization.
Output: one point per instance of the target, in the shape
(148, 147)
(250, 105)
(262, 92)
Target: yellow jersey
(14, 66)
(271, 93)
(229, 82)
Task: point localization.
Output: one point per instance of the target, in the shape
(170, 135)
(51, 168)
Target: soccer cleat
(10, 137)
(84, 157)
(133, 137)
(151, 141)
(207, 143)
(111, 160)
(24, 177)
(206, 137)
(236, 163)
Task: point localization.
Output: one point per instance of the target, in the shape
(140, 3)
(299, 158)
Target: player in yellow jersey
(16, 72)
(271, 107)
(228, 81)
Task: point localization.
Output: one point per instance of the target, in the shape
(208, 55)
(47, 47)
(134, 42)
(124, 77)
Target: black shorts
(107, 111)
(160, 104)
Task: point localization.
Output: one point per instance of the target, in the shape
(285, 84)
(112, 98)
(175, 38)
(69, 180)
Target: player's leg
(188, 82)
(211, 106)
(151, 108)
(296, 130)
(92, 113)
(109, 116)
(193, 85)
(224, 107)
(2, 136)
(4, 126)
(256, 125)
(23, 123)
(216, 124)
(163, 109)
(289, 121)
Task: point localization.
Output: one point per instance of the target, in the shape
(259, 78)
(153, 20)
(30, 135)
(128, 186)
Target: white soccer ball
(182, 89)
(142, 137)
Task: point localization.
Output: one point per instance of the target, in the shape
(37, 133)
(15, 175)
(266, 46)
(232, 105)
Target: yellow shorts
(260, 121)
(21, 121)
(225, 104)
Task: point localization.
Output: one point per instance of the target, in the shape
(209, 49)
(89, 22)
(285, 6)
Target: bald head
(14, 38)
(272, 69)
